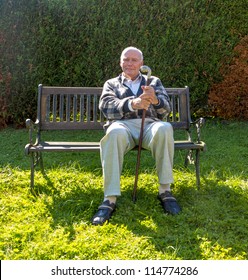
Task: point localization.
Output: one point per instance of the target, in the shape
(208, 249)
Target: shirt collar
(124, 79)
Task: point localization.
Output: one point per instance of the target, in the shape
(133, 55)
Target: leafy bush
(75, 43)
(229, 98)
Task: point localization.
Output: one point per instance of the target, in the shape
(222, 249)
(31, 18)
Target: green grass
(55, 224)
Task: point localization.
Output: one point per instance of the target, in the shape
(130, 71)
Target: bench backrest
(76, 108)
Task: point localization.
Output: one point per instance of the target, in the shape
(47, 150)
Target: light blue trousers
(122, 136)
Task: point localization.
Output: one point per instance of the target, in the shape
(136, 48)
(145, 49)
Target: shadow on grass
(212, 222)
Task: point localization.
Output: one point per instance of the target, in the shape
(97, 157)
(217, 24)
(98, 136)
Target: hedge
(78, 43)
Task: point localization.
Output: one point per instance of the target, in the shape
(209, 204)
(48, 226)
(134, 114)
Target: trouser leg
(114, 145)
(158, 137)
(122, 136)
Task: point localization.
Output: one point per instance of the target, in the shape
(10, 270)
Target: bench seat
(51, 146)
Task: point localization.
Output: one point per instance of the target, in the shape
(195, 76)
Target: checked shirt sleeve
(163, 108)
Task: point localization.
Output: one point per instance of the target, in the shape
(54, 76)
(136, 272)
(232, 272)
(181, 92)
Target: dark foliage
(75, 43)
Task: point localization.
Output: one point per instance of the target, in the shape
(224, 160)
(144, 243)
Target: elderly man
(122, 102)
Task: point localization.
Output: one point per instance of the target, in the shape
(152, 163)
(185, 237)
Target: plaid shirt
(115, 97)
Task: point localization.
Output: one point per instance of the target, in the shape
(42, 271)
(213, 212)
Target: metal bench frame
(76, 108)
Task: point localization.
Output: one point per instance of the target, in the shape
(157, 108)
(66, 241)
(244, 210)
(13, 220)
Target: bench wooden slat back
(66, 108)
(69, 108)
(180, 116)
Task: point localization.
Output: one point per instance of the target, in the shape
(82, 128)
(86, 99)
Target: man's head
(130, 61)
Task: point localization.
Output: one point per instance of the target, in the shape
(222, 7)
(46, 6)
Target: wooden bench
(76, 108)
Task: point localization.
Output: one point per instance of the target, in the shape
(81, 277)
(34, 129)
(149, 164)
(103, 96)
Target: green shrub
(75, 43)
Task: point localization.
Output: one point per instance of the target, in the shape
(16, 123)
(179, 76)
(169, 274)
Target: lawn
(55, 224)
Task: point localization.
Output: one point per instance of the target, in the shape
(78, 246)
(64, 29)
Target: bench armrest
(32, 127)
(198, 124)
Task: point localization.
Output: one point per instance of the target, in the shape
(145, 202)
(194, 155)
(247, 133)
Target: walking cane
(143, 69)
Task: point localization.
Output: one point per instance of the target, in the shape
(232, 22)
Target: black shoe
(169, 203)
(105, 211)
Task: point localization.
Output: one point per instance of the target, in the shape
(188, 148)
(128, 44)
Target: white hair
(131, 49)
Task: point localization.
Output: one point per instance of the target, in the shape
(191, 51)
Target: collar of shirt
(133, 85)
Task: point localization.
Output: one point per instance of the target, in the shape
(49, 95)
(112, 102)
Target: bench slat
(82, 146)
(73, 126)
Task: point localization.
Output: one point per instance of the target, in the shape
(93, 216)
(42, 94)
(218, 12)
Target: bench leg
(32, 172)
(189, 159)
(40, 160)
(197, 168)
(36, 159)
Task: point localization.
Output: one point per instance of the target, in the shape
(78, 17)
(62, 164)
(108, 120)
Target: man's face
(130, 63)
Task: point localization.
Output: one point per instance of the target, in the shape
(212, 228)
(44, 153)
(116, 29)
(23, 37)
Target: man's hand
(145, 99)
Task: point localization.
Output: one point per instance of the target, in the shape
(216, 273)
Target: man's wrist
(158, 102)
(130, 105)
